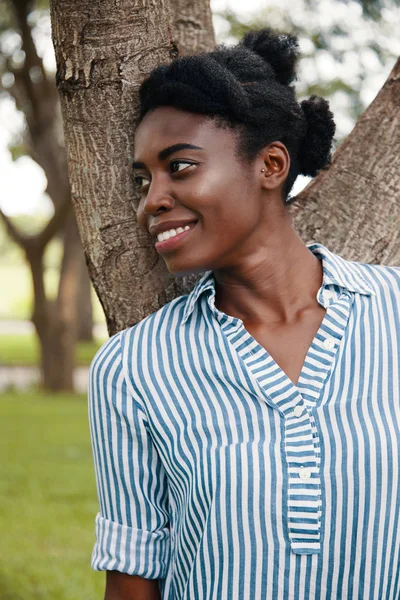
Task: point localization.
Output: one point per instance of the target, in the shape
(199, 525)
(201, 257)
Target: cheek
(140, 217)
(223, 195)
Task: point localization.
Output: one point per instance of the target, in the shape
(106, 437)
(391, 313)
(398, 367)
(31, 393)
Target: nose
(157, 200)
(156, 204)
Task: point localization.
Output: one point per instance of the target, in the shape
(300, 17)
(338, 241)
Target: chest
(220, 398)
(288, 344)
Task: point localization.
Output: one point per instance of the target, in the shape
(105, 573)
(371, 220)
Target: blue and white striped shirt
(224, 480)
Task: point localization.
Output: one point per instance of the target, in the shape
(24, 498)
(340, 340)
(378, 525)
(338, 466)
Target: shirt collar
(336, 271)
(339, 271)
(205, 283)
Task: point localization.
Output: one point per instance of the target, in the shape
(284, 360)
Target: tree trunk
(67, 306)
(44, 318)
(354, 207)
(98, 80)
(37, 98)
(42, 315)
(192, 26)
(56, 322)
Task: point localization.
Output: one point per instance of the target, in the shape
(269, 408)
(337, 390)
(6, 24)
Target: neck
(275, 283)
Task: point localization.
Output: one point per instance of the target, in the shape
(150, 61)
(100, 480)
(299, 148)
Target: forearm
(120, 586)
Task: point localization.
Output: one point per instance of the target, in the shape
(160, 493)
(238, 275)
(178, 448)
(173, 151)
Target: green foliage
(373, 8)
(346, 54)
(42, 4)
(6, 17)
(18, 149)
(24, 349)
(48, 500)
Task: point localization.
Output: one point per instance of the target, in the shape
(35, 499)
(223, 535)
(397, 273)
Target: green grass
(48, 500)
(24, 350)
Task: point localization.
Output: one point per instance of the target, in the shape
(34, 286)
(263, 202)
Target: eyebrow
(163, 154)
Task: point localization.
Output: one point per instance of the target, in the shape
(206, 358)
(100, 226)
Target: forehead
(166, 126)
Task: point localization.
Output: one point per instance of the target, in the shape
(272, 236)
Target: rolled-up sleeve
(132, 526)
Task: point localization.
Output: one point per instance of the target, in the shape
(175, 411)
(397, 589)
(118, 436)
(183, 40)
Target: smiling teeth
(165, 235)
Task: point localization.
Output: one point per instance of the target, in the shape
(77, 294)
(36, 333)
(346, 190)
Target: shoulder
(106, 377)
(107, 356)
(357, 276)
(381, 279)
(119, 350)
(159, 324)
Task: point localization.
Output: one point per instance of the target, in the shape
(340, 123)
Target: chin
(181, 271)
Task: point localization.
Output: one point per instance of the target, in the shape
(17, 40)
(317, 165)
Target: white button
(304, 473)
(329, 343)
(298, 411)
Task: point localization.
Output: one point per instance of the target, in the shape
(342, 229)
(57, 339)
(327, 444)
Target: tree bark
(104, 50)
(354, 207)
(192, 26)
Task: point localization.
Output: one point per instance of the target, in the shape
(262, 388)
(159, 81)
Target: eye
(140, 181)
(177, 166)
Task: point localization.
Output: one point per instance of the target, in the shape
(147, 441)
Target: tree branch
(21, 11)
(55, 224)
(16, 235)
(38, 100)
(353, 208)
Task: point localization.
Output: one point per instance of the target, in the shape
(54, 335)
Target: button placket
(299, 442)
(298, 411)
(303, 498)
(329, 343)
(317, 366)
(304, 473)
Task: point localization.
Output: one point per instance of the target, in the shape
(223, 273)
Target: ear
(275, 165)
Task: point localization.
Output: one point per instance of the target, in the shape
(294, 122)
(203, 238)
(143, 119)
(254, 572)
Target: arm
(130, 587)
(132, 526)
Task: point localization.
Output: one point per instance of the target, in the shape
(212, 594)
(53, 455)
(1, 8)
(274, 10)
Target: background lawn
(24, 350)
(48, 499)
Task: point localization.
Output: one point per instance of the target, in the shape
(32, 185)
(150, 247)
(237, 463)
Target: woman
(246, 436)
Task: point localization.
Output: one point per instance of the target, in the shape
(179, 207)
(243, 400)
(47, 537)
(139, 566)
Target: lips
(162, 226)
(176, 241)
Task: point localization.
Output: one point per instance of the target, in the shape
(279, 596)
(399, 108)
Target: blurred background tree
(61, 321)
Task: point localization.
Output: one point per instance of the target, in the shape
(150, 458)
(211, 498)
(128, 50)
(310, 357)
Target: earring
(262, 170)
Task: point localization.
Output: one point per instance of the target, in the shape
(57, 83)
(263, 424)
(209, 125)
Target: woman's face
(187, 174)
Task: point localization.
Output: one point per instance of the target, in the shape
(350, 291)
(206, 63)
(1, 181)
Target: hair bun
(280, 50)
(316, 150)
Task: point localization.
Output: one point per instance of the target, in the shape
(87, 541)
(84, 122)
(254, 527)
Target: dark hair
(249, 88)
